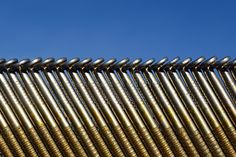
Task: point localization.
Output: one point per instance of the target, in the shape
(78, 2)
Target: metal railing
(126, 108)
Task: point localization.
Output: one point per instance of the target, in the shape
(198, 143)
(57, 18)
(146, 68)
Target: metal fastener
(97, 91)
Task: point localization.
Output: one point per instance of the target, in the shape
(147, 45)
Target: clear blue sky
(117, 28)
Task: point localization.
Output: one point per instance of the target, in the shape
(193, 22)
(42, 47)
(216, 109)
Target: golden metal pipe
(47, 116)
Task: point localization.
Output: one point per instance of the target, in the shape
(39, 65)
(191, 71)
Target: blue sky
(117, 28)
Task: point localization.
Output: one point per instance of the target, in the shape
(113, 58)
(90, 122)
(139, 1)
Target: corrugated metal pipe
(115, 108)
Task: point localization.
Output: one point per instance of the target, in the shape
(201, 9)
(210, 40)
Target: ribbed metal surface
(118, 108)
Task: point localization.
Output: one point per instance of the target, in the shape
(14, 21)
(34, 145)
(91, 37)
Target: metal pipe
(103, 103)
(84, 108)
(82, 87)
(208, 113)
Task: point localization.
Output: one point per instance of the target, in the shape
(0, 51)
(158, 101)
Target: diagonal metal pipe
(84, 108)
(41, 106)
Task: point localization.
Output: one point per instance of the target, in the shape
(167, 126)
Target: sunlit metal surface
(60, 107)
